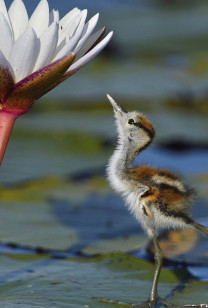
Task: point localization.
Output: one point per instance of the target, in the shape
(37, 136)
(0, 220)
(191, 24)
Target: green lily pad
(194, 292)
(33, 225)
(122, 244)
(42, 282)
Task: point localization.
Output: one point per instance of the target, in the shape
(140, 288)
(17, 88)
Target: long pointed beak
(116, 106)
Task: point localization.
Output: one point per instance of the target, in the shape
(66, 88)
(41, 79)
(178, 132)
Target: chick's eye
(131, 121)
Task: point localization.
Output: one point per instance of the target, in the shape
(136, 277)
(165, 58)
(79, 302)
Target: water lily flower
(38, 53)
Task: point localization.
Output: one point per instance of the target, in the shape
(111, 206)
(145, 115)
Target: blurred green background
(55, 200)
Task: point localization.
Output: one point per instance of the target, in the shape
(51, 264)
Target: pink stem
(6, 124)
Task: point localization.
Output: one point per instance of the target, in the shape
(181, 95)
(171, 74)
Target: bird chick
(156, 197)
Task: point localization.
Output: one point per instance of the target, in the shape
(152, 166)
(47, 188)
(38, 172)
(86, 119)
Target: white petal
(68, 32)
(89, 43)
(91, 54)
(80, 28)
(5, 63)
(48, 42)
(60, 47)
(53, 17)
(71, 44)
(39, 20)
(3, 10)
(5, 36)
(24, 54)
(87, 31)
(68, 18)
(18, 17)
(3, 60)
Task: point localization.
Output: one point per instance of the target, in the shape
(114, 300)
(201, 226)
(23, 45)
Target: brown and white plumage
(167, 200)
(156, 197)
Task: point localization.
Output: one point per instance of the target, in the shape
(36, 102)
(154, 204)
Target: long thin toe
(113, 302)
(146, 304)
(205, 305)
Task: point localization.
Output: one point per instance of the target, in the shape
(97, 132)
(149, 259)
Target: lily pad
(194, 292)
(43, 282)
